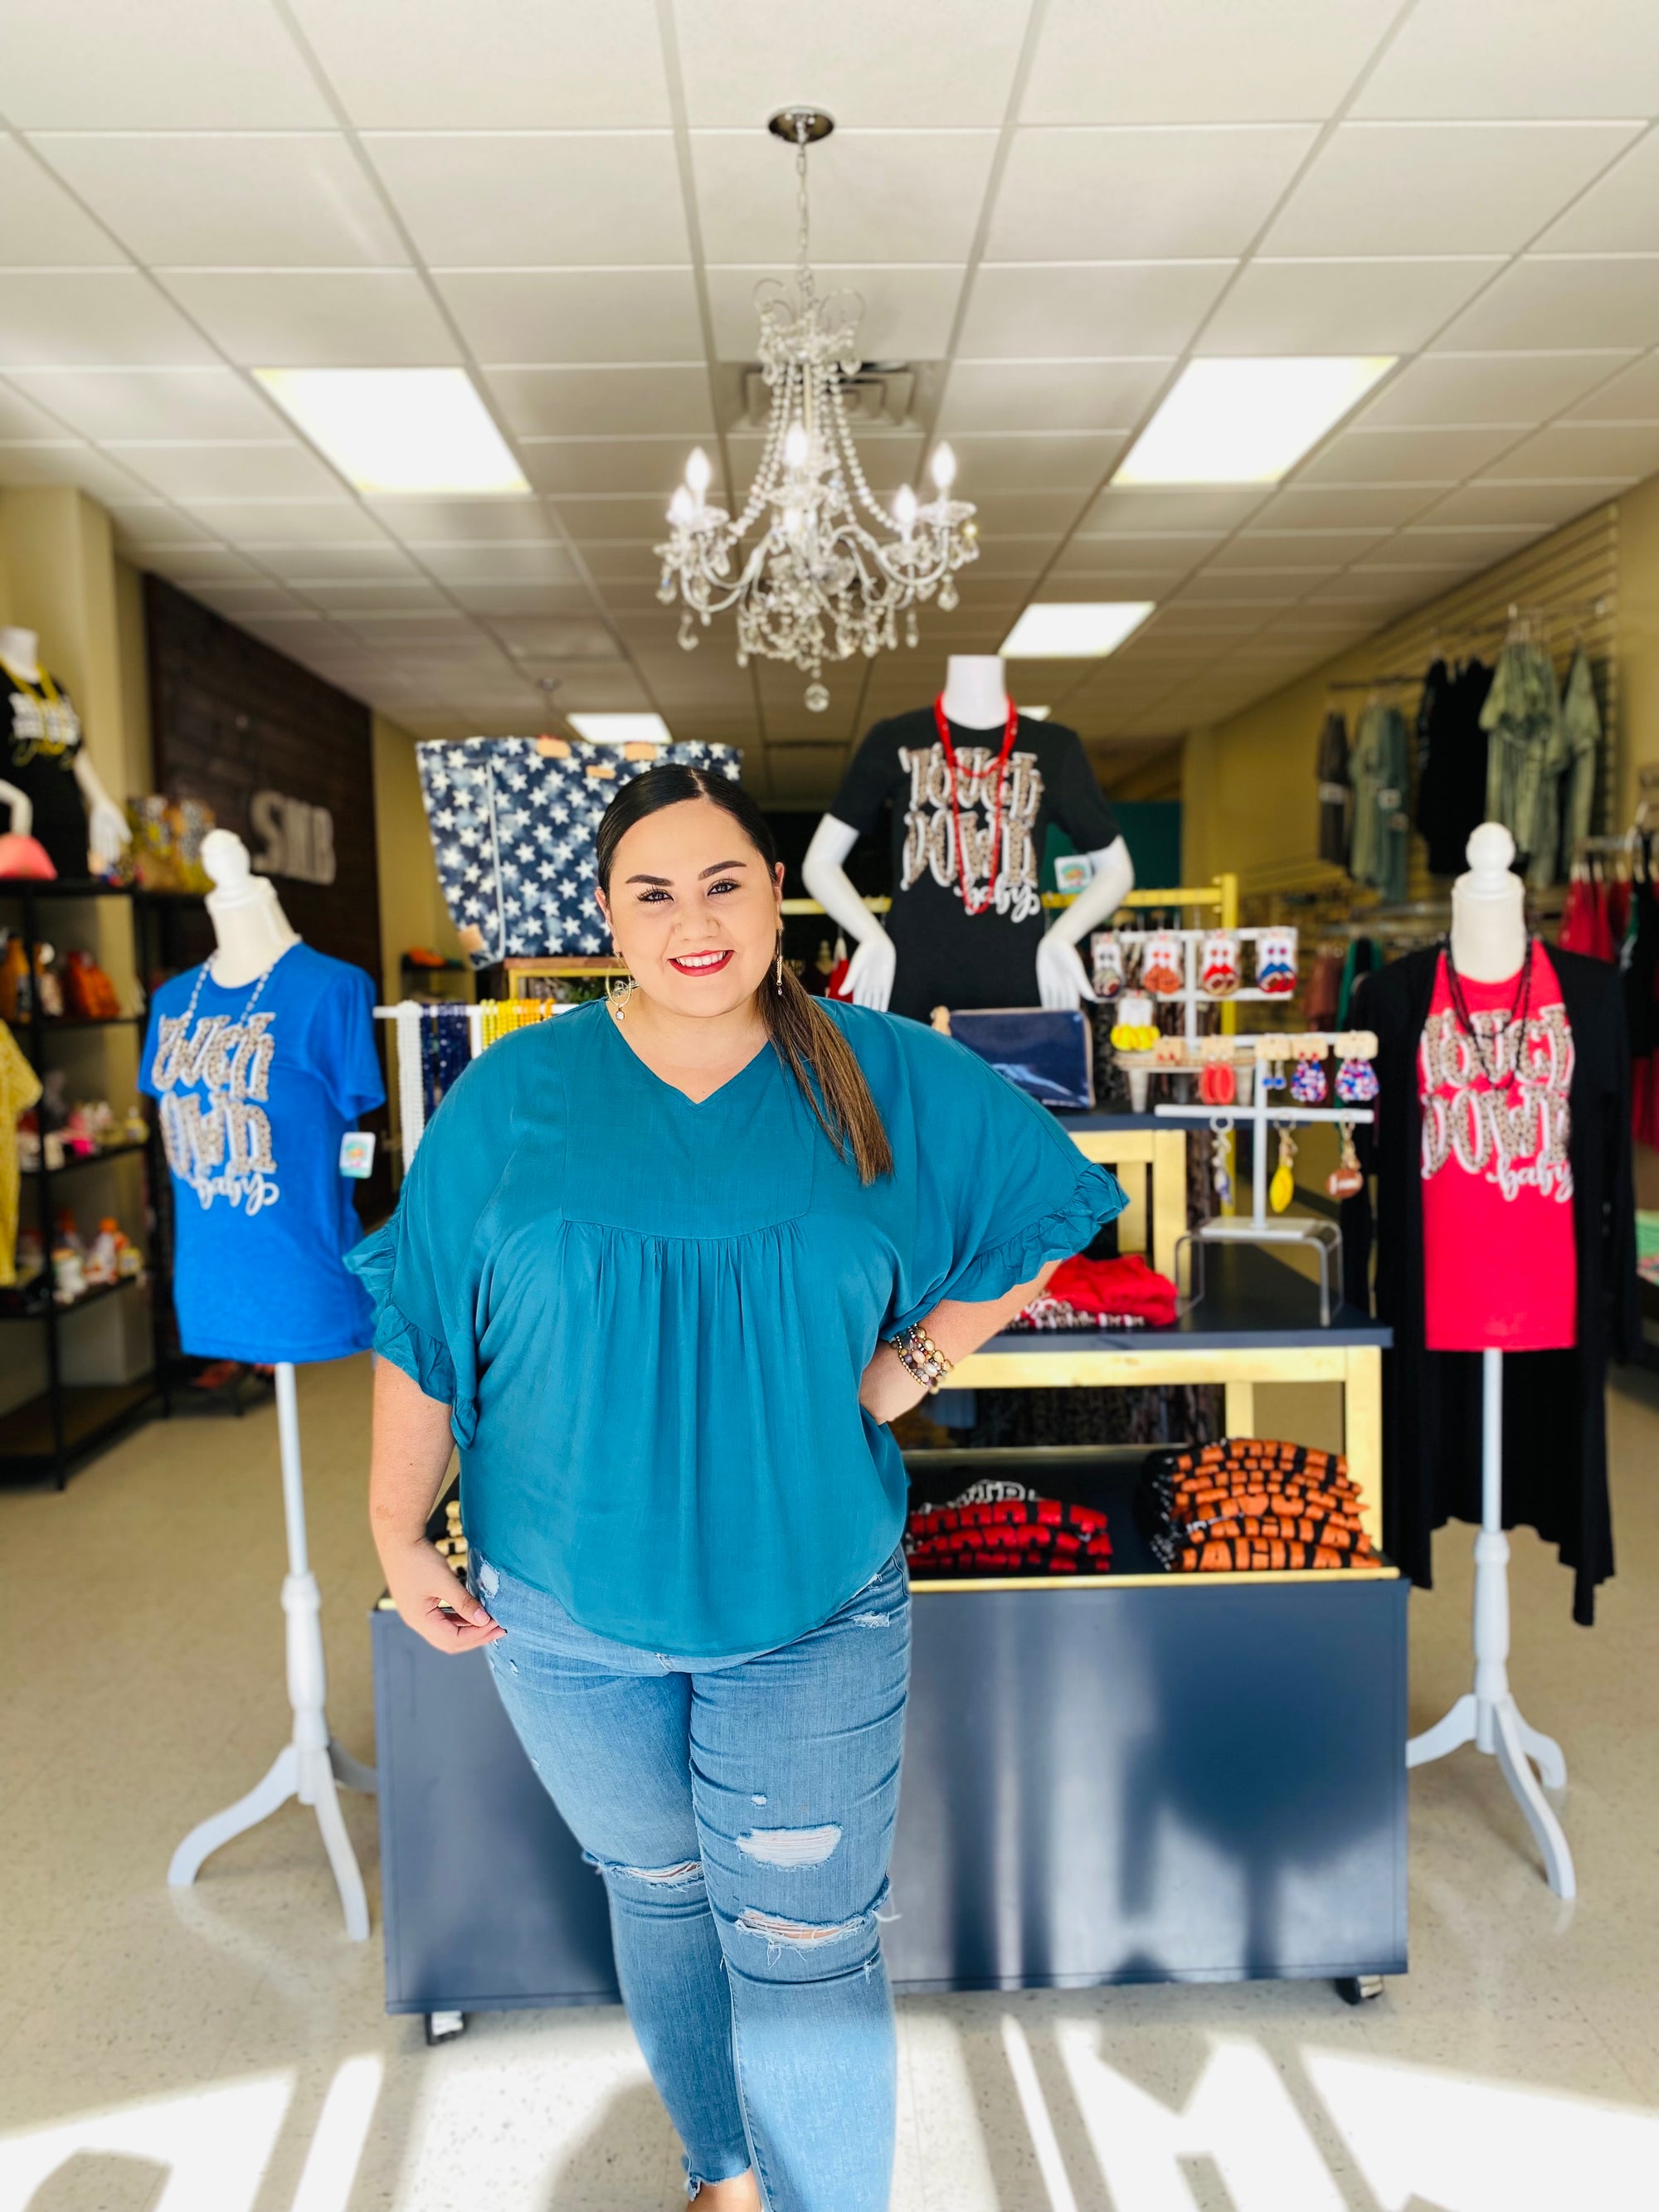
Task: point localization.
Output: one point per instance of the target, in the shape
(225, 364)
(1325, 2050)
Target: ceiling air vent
(878, 398)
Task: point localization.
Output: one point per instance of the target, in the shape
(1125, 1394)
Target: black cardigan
(1555, 1442)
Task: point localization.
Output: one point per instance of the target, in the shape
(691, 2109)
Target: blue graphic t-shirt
(255, 1086)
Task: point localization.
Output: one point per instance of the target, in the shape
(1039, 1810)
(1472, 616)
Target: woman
(666, 1268)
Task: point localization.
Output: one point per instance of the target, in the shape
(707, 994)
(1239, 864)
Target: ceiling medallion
(830, 570)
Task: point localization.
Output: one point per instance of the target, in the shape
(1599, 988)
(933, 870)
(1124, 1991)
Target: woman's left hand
(887, 1389)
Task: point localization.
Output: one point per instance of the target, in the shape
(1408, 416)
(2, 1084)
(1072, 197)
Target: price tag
(357, 1153)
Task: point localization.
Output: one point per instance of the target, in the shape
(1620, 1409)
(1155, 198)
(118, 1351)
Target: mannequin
(975, 698)
(252, 1131)
(107, 831)
(1489, 943)
(248, 921)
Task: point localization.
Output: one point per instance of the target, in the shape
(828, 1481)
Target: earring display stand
(1487, 1716)
(311, 1766)
(1259, 1226)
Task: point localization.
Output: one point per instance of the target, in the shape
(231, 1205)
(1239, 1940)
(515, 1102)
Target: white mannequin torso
(1489, 917)
(975, 691)
(247, 919)
(21, 651)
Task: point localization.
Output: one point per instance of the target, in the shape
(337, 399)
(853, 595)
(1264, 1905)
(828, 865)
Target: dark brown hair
(808, 1042)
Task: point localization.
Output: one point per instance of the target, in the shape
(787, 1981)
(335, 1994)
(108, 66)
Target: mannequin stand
(312, 1764)
(1488, 1716)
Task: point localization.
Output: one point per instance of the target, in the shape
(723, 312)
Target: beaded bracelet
(920, 1357)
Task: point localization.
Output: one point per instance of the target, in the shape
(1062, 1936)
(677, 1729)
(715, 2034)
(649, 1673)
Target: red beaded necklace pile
(956, 808)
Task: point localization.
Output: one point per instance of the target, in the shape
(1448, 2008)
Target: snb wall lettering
(930, 835)
(218, 1136)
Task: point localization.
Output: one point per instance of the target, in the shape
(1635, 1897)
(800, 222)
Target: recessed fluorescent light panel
(1037, 714)
(620, 729)
(1082, 631)
(392, 430)
(1248, 421)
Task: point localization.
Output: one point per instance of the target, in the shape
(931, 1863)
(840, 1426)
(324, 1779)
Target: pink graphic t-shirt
(1501, 1268)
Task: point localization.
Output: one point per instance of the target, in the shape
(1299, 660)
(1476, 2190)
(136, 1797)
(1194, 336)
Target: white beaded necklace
(258, 985)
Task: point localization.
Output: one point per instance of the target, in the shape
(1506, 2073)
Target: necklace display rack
(1263, 1112)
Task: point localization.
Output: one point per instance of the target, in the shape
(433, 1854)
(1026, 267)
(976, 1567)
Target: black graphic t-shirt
(948, 957)
(39, 739)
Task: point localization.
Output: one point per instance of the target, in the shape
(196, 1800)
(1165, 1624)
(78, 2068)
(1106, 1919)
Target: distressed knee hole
(672, 1877)
(872, 1621)
(798, 1935)
(790, 1847)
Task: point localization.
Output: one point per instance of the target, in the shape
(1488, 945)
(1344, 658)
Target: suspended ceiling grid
(1048, 207)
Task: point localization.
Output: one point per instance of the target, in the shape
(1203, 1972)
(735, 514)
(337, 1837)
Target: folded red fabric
(1126, 1286)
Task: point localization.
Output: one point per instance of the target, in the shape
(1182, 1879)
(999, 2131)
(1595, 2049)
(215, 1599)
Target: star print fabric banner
(512, 822)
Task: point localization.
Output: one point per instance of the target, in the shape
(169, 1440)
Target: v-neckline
(673, 1089)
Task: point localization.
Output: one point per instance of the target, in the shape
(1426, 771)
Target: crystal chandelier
(829, 571)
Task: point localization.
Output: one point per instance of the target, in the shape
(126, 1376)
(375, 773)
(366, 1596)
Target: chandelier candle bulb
(796, 445)
(943, 467)
(904, 509)
(699, 473)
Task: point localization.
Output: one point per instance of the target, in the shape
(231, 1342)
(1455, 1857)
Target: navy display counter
(1134, 1777)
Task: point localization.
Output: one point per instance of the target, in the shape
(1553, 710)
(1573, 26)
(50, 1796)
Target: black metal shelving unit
(48, 1433)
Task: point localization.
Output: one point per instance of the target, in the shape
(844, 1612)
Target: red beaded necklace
(956, 809)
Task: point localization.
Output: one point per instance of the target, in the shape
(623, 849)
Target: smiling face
(693, 908)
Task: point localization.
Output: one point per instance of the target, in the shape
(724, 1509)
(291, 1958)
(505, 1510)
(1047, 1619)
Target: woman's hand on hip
(887, 1388)
(435, 1603)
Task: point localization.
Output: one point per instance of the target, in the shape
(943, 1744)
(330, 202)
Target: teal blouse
(650, 1318)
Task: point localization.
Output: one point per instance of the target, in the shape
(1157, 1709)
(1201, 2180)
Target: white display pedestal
(310, 1765)
(1487, 1716)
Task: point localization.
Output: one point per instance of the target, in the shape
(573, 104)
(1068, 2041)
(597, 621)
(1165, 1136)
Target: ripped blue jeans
(741, 1812)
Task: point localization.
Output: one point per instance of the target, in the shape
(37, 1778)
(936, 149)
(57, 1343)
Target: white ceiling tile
(877, 195)
(154, 402)
(613, 466)
(556, 637)
(239, 598)
(508, 563)
(1033, 460)
(1030, 514)
(318, 318)
(1249, 586)
(1618, 214)
(1006, 558)
(1395, 457)
(75, 464)
(364, 560)
(190, 565)
(907, 312)
(535, 64)
(462, 521)
(1064, 312)
(619, 560)
(1341, 307)
(1519, 57)
(611, 402)
(1489, 503)
(38, 461)
(537, 199)
(1539, 301)
(1583, 449)
(1472, 550)
(155, 521)
(1218, 506)
(20, 418)
(1080, 395)
(1379, 588)
(587, 686)
(1303, 506)
(391, 594)
(597, 521)
(1278, 548)
(1446, 389)
(576, 315)
(866, 62)
(249, 523)
(94, 317)
(1630, 396)
(281, 468)
(1188, 61)
(41, 226)
(1440, 187)
(240, 200)
(491, 596)
(1141, 194)
(169, 65)
(1160, 553)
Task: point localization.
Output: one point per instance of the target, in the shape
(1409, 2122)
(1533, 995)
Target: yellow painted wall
(412, 910)
(1638, 642)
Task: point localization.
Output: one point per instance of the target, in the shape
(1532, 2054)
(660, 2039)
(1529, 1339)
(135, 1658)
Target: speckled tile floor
(223, 2050)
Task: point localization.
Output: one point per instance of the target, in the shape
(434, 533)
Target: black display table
(1136, 1778)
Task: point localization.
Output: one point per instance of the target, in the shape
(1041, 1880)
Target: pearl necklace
(259, 983)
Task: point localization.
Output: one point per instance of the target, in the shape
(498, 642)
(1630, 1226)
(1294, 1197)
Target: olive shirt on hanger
(39, 742)
(1555, 1443)
(948, 957)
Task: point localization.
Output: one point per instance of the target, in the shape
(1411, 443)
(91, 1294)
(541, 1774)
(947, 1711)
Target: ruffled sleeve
(998, 1185)
(422, 1268)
